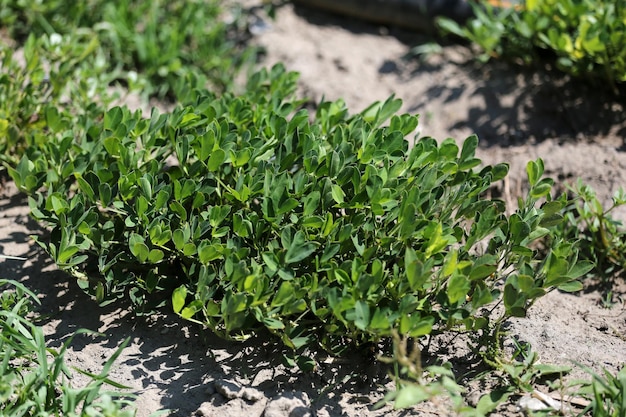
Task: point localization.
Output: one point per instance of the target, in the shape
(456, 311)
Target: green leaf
(468, 150)
(287, 206)
(270, 261)
(448, 149)
(138, 248)
(551, 207)
(65, 254)
(437, 241)
(483, 267)
(458, 287)
(334, 164)
(378, 112)
(338, 194)
(189, 119)
(299, 249)
(105, 193)
(580, 269)
(217, 214)
(100, 293)
(53, 120)
(178, 237)
(416, 273)
(189, 249)
(361, 315)
(450, 26)
(519, 229)
(514, 301)
(216, 160)
(182, 148)
(534, 170)
(241, 158)
(547, 369)
(241, 227)
(113, 118)
(571, 286)
(145, 182)
(140, 251)
(411, 394)
(155, 256)
(469, 164)
(557, 272)
(59, 205)
(311, 203)
(190, 310)
(86, 188)
(179, 297)
(551, 220)
(451, 263)
(273, 324)
(379, 321)
(204, 145)
(284, 294)
(489, 402)
(328, 224)
(415, 326)
(329, 251)
(209, 252)
(540, 190)
(500, 171)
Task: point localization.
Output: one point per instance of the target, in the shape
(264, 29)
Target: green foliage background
(585, 38)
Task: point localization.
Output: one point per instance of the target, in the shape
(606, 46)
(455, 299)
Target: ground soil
(519, 115)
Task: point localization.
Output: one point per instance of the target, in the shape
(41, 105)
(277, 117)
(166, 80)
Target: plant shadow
(510, 105)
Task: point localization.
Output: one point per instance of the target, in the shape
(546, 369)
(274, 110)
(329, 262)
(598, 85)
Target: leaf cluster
(584, 38)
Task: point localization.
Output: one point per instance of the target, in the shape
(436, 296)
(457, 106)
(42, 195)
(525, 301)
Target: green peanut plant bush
(331, 230)
(585, 38)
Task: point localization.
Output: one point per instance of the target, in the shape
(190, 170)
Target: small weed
(34, 379)
(601, 238)
(607, 300)
(415, 384)
(606, 393)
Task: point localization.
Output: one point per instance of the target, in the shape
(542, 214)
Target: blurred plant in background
(585, 38)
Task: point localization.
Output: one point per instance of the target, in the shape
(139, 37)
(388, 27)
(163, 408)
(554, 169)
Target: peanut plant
(247, 215)
(584, 38)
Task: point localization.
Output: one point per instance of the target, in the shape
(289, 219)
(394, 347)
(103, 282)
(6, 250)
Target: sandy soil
(518, 115)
